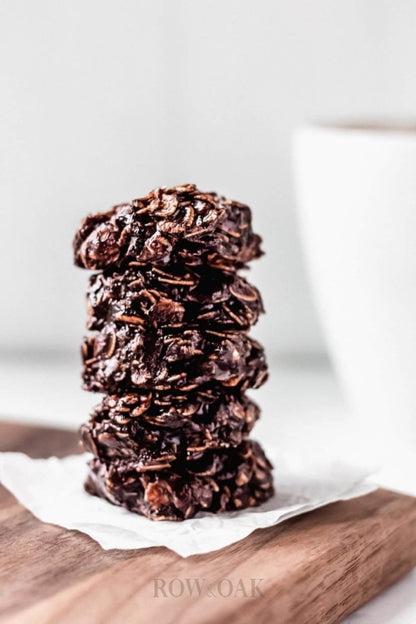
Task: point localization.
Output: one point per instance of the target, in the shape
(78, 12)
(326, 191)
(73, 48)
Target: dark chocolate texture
(158, 430)
(171, 352)
(151, 296)
(180, 225)
(120, 359)
(216, 481)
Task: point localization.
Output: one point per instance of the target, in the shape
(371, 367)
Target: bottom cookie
(214, 481)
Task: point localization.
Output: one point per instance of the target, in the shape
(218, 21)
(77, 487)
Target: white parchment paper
(52, 489)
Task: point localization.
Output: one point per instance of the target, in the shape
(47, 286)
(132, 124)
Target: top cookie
(181, 224)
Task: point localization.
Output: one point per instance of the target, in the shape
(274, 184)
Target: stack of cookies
(170, 352)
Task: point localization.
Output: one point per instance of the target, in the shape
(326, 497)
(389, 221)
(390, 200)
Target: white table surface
(302, 409)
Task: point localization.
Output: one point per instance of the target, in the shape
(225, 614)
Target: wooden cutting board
(314, 569)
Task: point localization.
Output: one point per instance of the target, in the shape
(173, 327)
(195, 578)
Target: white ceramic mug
(356, 197)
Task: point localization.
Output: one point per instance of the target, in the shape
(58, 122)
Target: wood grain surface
(314, 569)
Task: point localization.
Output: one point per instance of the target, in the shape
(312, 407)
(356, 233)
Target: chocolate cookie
(213, 481)
(178, 225)
(152, 296)
(125, 358)
(157, 430)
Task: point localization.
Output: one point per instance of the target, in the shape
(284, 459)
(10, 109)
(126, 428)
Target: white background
(102, 100)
